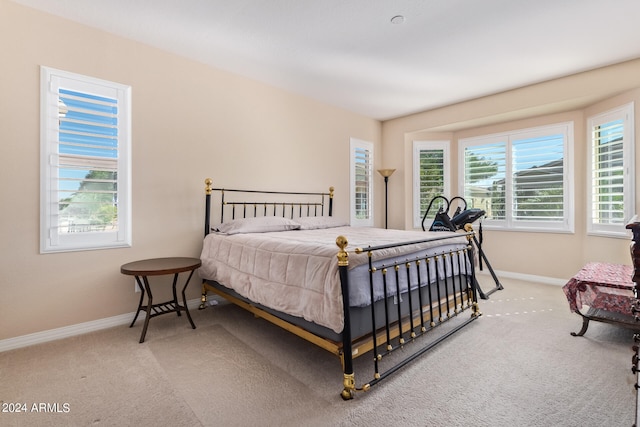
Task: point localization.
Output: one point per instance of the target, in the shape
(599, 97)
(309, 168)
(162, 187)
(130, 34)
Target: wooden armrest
(633, 224)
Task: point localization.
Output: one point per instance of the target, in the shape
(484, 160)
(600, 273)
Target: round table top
(160, 266)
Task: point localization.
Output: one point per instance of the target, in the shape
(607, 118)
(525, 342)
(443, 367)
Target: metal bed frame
(423, 311)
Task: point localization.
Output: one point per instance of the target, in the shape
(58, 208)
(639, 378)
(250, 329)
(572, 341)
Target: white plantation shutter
(430, 176)
(521, 178)
(611, 176)
(484, 184)
(85, 157)
(538, 179)
(361, 161)
(607, 177)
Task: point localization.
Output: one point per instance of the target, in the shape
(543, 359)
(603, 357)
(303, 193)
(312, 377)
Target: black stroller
(462, 215)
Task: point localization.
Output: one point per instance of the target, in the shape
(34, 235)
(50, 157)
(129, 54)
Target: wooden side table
(159, 267)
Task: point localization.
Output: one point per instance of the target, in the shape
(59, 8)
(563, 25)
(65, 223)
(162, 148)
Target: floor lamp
(386, 173)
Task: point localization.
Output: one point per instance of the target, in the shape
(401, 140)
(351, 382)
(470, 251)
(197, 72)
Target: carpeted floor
(214, 381)
(515, 366)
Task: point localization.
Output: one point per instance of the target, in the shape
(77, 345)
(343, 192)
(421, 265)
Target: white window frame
(626, 114)
(354, 146)
(566, 225)
(418, 146)
(51, 80)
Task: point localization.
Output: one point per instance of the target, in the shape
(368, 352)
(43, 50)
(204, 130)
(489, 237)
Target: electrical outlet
(136, 287)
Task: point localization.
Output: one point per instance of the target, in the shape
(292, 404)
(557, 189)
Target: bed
(350, 290)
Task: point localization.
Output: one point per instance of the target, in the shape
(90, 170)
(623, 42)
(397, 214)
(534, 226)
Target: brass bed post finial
(331, 189)
(343, 255)
(469, 229)
(208, 182)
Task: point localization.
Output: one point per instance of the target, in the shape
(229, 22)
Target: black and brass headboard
(271, 203)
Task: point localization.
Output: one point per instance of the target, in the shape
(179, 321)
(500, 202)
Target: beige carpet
(103, 377)
(516, 366)
(216, 372)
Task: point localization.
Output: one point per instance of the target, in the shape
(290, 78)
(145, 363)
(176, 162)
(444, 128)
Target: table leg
(139, 302)
(175, 297)
(184, 300)
(149, 304)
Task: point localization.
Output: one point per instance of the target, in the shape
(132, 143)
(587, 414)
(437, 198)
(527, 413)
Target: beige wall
(572, 98)
(190, 121)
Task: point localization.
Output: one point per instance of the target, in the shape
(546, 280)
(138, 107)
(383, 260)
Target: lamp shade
(386, 172)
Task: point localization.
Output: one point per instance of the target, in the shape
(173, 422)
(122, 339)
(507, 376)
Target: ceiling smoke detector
(398, 19)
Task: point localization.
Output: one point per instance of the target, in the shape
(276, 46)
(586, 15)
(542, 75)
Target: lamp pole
(386, 173)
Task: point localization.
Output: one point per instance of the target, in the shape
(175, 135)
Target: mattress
(295, 271)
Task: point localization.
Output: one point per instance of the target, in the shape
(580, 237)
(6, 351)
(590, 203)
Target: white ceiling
(348, 53)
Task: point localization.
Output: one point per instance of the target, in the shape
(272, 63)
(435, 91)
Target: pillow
(315, 222)
(260, 224)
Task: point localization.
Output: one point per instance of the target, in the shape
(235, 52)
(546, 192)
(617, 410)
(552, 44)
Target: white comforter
(296, 271)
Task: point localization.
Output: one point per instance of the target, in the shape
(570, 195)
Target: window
(611, 171)
(361, 176)
(430, 177)
(85, 161)
(520, 179)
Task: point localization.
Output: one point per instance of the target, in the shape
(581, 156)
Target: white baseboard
(525, 277)
(78, 329)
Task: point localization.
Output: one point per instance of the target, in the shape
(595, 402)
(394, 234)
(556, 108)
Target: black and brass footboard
(421, 310)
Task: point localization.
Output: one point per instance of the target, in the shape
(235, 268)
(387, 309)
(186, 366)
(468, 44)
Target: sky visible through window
(531, 153)
(87, 129)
